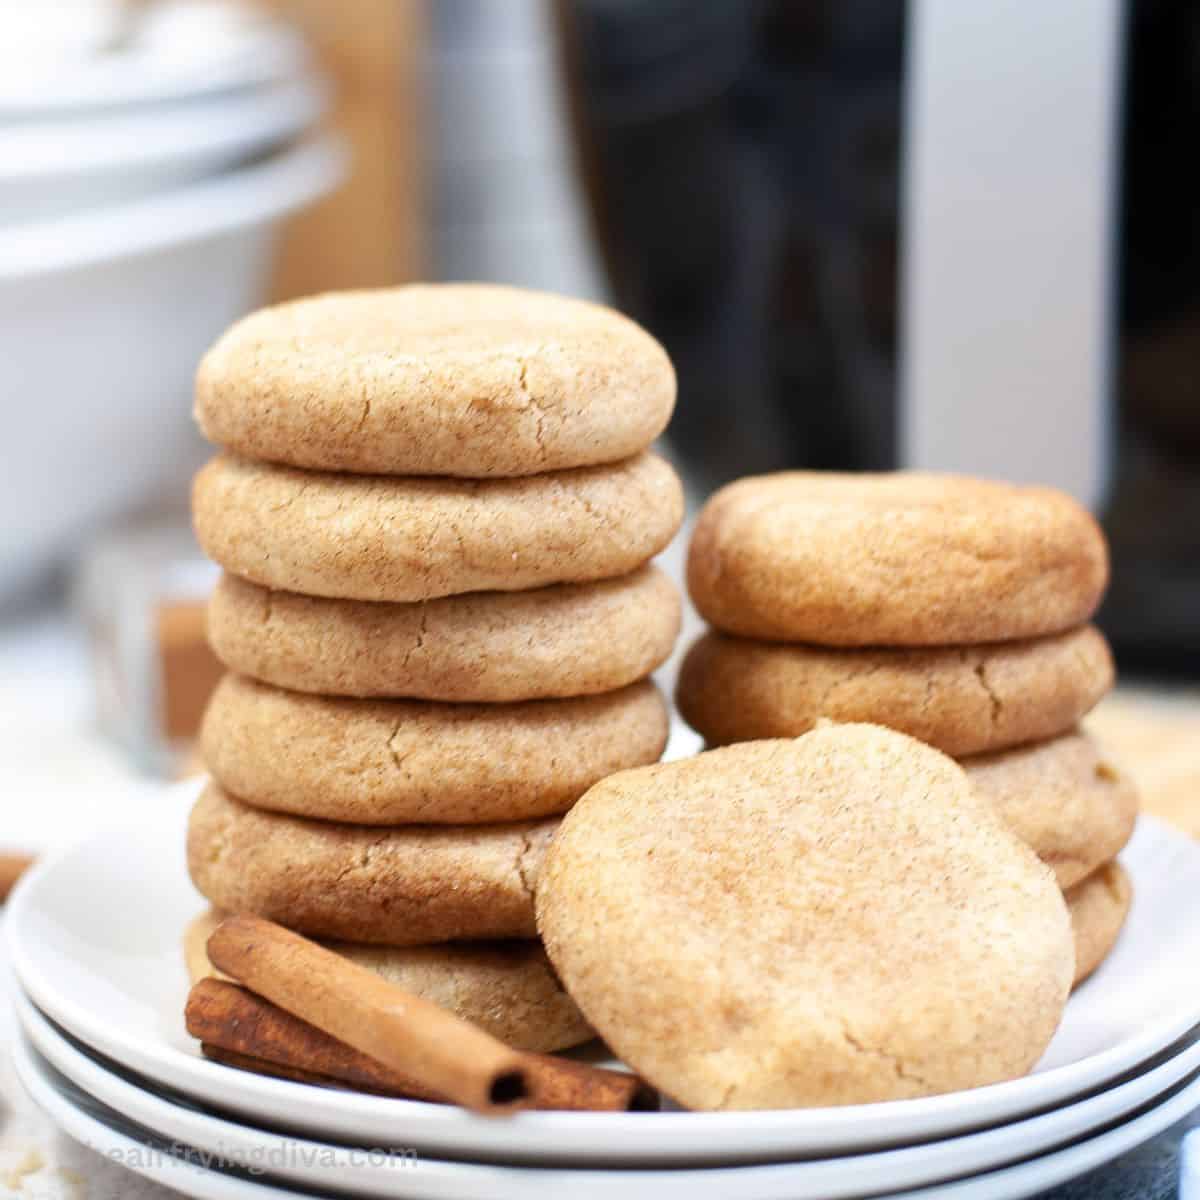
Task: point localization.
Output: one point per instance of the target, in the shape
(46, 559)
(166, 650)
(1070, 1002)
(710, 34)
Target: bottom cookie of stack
(404, 885)
(1064, 799)
(507, 988)
(1098, 906)
(445, 911)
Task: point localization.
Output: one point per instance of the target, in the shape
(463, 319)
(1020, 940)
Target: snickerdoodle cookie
(443, 379)
(1098, 905)
(961, 699)
(1063, 798)
(903, 559)
(375, 537)
(397, 887)
(507, 988)
(833, 919)
(389, 762)
(565, 640)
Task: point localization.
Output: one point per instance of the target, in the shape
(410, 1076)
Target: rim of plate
(95, 1132)
(259, 54)
(923, 1164)
(950, 1112)
(70, 148)
(249, 195)
(99, 1130)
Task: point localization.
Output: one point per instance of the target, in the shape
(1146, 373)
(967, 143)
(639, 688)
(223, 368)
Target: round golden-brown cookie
(506, 988)
(374, 537)
(901, 559)
(833, 919)
(1098, 905)
(395, 887)
(442, 379)
(1063, 798)
(566, 640)
(395, 762)
(961, 699)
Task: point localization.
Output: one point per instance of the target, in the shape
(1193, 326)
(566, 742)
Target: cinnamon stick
(262, 1066)
(564, 1083)
(237, 1021)
(237, 1027)
(438, 1051)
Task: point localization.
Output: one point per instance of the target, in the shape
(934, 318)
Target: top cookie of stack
(435, 509)
(951, 609)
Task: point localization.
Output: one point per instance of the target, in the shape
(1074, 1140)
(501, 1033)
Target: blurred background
(870, 233)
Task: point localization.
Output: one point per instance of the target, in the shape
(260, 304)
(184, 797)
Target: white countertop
(59, 778)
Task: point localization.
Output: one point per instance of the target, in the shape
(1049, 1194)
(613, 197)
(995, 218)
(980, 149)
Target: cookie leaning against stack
(951, 609)
(435, 509)
(862, 928)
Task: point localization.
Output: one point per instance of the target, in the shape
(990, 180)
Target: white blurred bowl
(182, 51)
(105, 317)
(61, 164)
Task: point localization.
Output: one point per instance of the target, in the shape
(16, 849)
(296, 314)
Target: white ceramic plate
(94, 938)
(322, 1165)
(223, 54)
(67, 164)
(248, 1172)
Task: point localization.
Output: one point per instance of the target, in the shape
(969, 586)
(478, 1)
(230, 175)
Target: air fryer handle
(1008, 239)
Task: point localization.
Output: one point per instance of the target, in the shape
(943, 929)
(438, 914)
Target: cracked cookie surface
(834, 919)
(376, 537)
(898, 559)
(507, 988)
(402, 886)
(961, 699)
(388, 762)
(565, 640)
(451, 379)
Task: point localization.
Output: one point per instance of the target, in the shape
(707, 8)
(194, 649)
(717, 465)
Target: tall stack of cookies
(435, 508)
(951, 609)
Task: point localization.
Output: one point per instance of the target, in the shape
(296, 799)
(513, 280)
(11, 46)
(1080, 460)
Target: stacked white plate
(94, 936)
(142, 180)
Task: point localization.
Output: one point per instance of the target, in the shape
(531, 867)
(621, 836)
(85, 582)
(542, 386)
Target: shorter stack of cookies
(436, 510)
(951, 609)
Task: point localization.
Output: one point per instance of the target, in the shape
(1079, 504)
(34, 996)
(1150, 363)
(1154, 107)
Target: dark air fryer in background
(876, 234)
(1152, 513)
(742, 163)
